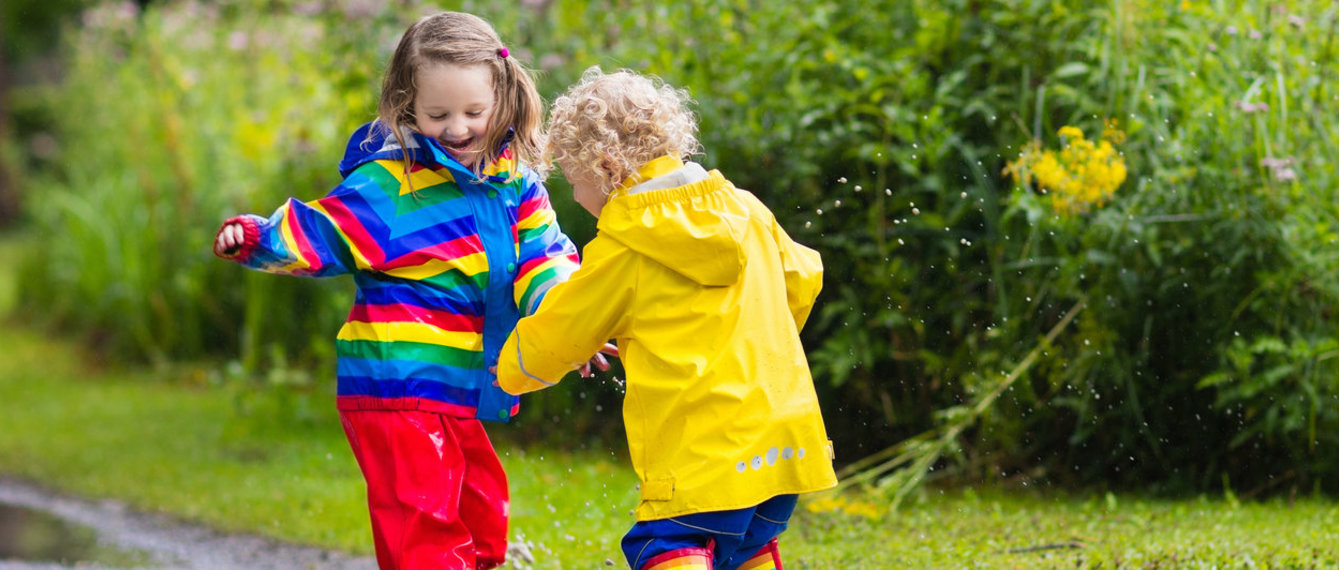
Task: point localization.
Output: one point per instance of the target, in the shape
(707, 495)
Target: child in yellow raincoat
(705, 295)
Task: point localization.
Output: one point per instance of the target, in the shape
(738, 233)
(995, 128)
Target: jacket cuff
(250, 238)
(512, 376)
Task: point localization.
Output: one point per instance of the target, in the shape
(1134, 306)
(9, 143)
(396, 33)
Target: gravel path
(168, 543)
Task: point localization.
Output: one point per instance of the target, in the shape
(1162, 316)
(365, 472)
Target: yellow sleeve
(576, 318)
(804, 274)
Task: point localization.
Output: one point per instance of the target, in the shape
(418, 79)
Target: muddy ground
(163, 543)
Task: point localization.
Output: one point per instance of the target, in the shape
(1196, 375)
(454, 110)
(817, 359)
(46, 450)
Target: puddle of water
(36, 536)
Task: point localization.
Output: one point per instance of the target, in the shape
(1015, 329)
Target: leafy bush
(880, 133)
(1173, 326)
(168, 121)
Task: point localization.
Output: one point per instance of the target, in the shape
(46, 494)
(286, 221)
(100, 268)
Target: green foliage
(27, 27)
(879, 133)
(217, 110)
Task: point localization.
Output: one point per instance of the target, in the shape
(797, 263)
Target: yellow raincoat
(705, 295)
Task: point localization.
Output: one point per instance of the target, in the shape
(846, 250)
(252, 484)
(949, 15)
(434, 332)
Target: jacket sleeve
(304, 238)
(804, 274)
(576, 318)
(546, 255)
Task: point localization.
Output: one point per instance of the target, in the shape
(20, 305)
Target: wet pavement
(40, 530)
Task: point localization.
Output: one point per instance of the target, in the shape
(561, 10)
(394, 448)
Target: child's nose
(456, 128)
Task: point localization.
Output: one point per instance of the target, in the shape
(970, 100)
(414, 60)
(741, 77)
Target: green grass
(12, 246)
(174, 442)
(964, 529)
(207, 454)
(179, 442)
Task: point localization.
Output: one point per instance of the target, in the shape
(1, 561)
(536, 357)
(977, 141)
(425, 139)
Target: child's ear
(610, 170)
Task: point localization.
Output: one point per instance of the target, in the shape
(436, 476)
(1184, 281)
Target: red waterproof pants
(435, 488)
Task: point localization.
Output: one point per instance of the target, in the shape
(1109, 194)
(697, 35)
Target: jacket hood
(694, 229)
(373, 141)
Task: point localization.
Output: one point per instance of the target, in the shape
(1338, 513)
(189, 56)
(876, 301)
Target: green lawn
(175, 442)
(210, 454)
(180, 442)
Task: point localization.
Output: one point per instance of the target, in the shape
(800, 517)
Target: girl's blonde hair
(466, 40)
(620, 120)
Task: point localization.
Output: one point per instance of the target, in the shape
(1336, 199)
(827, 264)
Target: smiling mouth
(460, 146)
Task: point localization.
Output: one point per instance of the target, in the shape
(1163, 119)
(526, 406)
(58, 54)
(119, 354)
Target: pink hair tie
(503, 53)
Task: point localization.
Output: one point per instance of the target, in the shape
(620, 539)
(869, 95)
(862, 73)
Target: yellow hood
(693, 230)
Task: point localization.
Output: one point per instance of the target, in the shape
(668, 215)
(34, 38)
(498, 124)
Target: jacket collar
(500, 170)
(653, 169)
(374, 142)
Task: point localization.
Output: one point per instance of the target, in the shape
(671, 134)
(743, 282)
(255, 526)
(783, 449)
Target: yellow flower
(1081, 176)
(825, 504)
(1071, 132)
(839, 504)
(862, 509)
(255, 137)
(1111, 131)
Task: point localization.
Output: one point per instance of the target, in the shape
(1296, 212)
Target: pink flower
(355, 10)
(309, 9)
(237, 41)
(1280, 168)
(1249, 107)
(551, 61)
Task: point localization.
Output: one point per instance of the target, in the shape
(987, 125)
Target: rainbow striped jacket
(444, 267)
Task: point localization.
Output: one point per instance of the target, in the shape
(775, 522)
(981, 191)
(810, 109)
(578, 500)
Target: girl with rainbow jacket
(449, 240)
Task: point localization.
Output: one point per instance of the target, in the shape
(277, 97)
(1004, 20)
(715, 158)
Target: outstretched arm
(300, 238)
(577, 318)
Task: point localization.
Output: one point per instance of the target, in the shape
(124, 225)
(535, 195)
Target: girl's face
(585, 186)
(454, 104)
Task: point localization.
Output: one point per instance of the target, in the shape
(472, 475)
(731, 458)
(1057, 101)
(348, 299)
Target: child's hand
(599, 361)
(231, 237)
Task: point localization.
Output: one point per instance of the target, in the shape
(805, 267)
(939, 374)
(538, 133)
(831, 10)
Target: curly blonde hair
(619, 120)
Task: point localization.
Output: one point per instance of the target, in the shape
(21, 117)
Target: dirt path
(168, 543)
